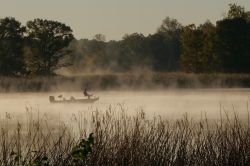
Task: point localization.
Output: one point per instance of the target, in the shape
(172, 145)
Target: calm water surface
(167, 103)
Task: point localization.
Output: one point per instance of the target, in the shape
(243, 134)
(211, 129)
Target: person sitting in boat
(87, 94)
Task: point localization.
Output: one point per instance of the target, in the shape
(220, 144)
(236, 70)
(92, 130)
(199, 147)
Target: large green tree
(48, 40)
(11, 42)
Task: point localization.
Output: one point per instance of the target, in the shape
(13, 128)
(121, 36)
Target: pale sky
(114, 18)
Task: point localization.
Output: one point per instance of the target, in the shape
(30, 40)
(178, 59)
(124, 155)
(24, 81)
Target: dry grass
(31, 142)
(121, 139)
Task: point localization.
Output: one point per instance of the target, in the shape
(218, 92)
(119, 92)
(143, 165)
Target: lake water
(168, 103)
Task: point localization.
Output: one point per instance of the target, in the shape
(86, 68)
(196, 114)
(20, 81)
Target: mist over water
(167, 103)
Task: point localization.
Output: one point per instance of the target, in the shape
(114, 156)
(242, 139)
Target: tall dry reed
(122, 139)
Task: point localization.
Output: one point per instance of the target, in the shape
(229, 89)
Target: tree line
(32, 49)
(43, 46)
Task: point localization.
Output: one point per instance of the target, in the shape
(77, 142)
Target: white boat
(73, 100)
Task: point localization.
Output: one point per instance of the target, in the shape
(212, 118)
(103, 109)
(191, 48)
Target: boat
(73, 100)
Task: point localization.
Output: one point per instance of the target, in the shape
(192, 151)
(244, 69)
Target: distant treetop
(236, 11)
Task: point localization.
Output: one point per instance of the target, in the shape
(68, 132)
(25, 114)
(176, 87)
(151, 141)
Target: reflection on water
(169, 103)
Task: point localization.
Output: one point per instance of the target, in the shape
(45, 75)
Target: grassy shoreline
(122, 139)
(142, 80)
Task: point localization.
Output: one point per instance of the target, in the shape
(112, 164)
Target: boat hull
(52, 100)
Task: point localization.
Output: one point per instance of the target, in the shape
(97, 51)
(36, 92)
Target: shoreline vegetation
(122, 139)
(126, 81)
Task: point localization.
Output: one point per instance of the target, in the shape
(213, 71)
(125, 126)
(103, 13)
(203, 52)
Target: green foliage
(167, 58)
(100, 37)
(88, 55)
(83, 149)
(169, 26)
(198, 49)
(224, 48)
(11, 39)
(236, 11)
(232, 46)
(133, 53)
(47, 40)
(160, 51)
(248, 16)
(41, 47)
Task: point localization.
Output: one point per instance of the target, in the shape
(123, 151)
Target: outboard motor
(52, 99)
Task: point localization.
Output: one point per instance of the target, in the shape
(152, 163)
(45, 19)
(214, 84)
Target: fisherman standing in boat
(87, 94)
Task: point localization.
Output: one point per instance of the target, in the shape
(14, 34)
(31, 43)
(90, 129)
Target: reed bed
(122, 139)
